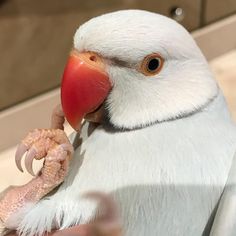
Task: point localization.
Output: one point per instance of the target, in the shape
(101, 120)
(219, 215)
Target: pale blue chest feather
(167, 178)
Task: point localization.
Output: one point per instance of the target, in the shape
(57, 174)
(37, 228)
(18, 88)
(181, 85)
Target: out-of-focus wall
(36, 36)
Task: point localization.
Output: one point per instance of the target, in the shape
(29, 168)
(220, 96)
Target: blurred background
(36, 36)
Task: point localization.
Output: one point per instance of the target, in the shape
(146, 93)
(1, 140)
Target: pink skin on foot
(54, 146)
(50, 144)
(58, 118)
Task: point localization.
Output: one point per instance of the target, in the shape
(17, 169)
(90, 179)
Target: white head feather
(170, 172)
(184, 84)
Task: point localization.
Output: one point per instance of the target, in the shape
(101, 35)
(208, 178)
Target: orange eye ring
(152, 64)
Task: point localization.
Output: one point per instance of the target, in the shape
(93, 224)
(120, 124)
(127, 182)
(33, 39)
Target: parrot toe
(38, 144)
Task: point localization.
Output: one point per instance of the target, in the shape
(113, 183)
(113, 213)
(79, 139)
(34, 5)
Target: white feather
(183, 85)
(167, 176)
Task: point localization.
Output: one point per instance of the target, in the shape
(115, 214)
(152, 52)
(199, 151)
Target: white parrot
(165, 141)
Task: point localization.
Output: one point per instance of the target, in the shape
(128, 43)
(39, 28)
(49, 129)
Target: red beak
(85, 86)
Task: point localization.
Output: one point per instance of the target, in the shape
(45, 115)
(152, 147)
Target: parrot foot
(52, 145)
(58, 118)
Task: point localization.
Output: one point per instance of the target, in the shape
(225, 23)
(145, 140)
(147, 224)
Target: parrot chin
(85, 87)
(97, 115)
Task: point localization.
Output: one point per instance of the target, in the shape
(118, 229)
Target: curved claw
(21, 149)
(29, 161)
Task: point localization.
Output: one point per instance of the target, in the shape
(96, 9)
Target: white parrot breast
(166, 178)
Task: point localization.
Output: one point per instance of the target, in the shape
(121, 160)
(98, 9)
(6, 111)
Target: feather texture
(184, 84)
(167, 178)
(168, 172)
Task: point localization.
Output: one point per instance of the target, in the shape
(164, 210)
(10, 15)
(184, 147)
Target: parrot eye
(152, 64)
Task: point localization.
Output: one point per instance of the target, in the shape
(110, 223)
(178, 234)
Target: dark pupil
(153, 64)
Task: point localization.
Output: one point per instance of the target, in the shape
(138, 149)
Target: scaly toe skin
(58, 118)
(56, 164)
(67, 147)
(38, 143)
(54, 146)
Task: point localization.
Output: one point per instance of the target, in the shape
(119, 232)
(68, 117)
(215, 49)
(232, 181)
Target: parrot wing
(224, 222)
(225, 218)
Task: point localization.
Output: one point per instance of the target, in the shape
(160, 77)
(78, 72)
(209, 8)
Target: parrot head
(134, 68)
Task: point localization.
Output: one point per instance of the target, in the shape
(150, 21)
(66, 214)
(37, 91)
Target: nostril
(93, 58)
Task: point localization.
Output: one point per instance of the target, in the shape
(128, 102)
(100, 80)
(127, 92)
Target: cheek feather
(163, 76)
